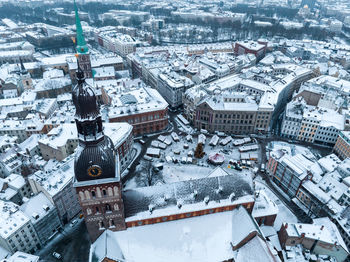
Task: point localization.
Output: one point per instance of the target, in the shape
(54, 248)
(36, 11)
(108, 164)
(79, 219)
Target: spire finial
(81, 44)
(23, 70)
(80, 74)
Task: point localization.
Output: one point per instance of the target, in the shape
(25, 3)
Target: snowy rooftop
(11, 219)
(203, 238)
(15, 181)
(232, 101)
(59, 136)
(36, 207)
(252, 45)
(164, 199)
(264, 206)
(323, 229)
(48, 84)
(135, 101)
(22, 257)
(105, 71)
(57, 177)
(329, 163)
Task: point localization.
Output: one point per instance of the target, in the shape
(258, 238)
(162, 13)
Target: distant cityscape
(174, 131)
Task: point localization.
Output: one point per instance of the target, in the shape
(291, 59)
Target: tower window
(108, 208)
(93, 194)
(111, 223)
(101, 225)
(104, 192)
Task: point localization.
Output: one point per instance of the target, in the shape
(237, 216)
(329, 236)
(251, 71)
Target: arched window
(111, 223)
(116, 191)
(116, 207)
(98, 192)
(88, 211)
(93, 194)
(101, 225)
(104, 192)
(81, 195)
(110, 191)
(108, 208)
(97, 210)
(87, 194)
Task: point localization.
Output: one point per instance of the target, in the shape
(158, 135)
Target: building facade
(342, 145)
(232, 113)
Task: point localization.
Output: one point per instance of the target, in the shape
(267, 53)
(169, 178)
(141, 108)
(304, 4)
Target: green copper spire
(81, 44)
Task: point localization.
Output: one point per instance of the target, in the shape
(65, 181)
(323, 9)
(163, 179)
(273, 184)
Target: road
(73, 244)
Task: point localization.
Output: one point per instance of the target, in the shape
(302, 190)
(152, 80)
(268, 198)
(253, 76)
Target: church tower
(82, 48)
(96, 167)
(26, 80)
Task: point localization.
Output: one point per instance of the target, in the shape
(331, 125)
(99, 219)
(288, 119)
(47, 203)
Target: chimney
(322, 227)
(302, 235)
(286, 226)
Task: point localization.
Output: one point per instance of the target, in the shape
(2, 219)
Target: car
(56, 255)
(73, 222)
(232, 162)
(238, 167)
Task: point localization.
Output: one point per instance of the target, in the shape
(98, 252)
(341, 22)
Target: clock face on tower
(94, 171)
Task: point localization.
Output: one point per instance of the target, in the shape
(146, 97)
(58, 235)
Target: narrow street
(73, 244)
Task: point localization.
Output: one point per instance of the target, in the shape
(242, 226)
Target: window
(93, 194)
(81, 195)
(97, 210)
(104, 192)
(115, 189)
(110, 191)
(98, 191)
(108, 208)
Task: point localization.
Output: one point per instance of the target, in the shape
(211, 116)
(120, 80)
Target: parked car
(262, 168)
(56, 255)
(73, 222)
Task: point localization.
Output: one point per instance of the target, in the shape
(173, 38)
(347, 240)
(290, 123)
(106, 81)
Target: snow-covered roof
(264, 206)
(37, 207)
(11, 219)
(255, 250)
(22, 257)
(220, 191)
(15, 181)
(329, 163)
(147, 100)
(57, 177)
(202, 238)
(59, 136)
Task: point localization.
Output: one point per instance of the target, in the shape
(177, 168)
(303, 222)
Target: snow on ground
(284, 214)
(174, 172)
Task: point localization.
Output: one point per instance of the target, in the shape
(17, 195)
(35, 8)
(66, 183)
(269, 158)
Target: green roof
(82, 48)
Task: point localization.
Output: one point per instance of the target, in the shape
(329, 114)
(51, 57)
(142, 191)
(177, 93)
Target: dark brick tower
(97, 177)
